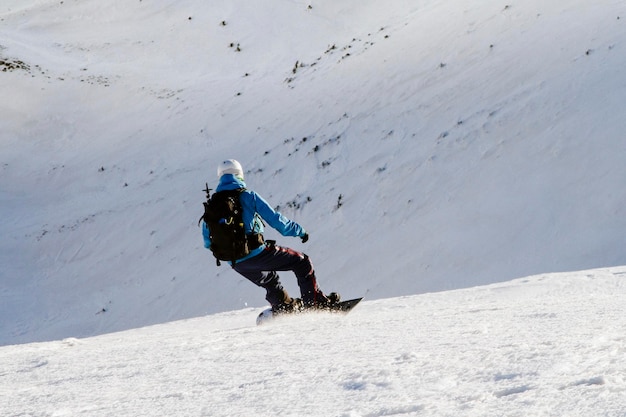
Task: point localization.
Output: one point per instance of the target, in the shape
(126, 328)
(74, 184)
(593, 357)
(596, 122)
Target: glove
(304, 237)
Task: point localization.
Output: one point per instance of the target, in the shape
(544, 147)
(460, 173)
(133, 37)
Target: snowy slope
(548, 345)
(469, 144)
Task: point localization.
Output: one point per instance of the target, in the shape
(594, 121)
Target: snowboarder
(264, 259)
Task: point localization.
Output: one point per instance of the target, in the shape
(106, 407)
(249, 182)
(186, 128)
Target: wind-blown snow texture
(548, 345)
(425, 145)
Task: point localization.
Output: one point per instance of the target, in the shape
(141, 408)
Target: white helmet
(230, 166)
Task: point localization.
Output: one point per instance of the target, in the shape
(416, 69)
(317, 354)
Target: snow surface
(426, 146)
(547, 345)
(435, 151)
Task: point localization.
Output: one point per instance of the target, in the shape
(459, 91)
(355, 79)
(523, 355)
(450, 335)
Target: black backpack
(223, 215)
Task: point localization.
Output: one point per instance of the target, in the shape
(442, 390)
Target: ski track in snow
(539, 346)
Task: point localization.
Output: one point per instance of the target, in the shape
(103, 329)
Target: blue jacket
(254, 206)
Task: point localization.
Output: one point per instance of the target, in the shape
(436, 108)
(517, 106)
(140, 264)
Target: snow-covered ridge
(425, 146)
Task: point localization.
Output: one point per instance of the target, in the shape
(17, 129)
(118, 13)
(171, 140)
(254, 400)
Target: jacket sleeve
(276, 220)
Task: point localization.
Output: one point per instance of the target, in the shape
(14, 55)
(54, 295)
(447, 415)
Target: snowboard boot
(293, 305)
(323, 302)
(333, 300)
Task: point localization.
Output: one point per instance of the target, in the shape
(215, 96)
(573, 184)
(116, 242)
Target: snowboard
(342, 307)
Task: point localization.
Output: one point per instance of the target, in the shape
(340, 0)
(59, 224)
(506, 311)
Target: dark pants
(262, 268)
